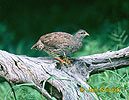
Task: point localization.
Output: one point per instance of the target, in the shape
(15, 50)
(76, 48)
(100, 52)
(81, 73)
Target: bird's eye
(82, 33)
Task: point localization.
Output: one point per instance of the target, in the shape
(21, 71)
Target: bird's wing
(57, 39)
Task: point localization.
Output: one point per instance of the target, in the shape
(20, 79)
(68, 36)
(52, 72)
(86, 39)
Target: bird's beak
(87, 34)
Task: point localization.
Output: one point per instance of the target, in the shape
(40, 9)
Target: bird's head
(39, 45)
(81, 34)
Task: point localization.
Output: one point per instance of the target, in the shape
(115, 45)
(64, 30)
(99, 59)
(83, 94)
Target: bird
(61, 44)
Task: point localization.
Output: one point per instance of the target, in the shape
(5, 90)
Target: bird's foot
(66, 59)
(62, 61)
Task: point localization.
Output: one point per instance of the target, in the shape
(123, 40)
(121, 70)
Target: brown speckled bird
(59, 44)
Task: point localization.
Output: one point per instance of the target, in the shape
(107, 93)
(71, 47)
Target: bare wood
(65, 82)
(100, 62)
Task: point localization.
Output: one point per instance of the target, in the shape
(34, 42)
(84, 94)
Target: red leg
(67, 60)
(62, 61)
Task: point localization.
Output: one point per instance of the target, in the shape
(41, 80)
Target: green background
(22, 22)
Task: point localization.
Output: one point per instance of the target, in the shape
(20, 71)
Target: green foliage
(6, 37)
(109, 80)
(118, 37)
(23, 92)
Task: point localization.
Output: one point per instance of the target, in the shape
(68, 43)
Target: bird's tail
(34, 46)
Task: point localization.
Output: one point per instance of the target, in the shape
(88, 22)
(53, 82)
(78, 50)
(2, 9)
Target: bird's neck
(80, 38)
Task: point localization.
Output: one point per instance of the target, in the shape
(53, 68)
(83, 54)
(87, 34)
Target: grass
(23, 92)
(109, 80)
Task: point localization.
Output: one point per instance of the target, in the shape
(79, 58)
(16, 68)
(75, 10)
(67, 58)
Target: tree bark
(65, 83)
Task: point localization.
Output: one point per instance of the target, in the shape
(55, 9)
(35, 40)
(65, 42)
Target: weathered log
(65, 83)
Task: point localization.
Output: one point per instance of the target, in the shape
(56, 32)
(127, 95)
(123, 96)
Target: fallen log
(65, 83)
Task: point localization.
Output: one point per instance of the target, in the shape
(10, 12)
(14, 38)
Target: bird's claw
(62, 61)
(67, 61)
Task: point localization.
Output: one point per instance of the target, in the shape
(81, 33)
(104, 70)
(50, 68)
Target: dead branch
(65, 83)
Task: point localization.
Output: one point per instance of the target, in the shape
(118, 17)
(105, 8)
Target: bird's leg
(62, 61)
(67, 60)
